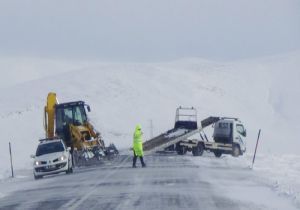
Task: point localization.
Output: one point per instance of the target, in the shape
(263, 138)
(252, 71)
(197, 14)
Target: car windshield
(49, 148)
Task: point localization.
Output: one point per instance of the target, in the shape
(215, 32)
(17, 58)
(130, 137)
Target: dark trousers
(135, 158)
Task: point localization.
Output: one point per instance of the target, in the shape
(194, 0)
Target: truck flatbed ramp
(166, 139)
(163, 141)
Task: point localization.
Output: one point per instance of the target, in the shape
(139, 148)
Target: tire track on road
(76, 202)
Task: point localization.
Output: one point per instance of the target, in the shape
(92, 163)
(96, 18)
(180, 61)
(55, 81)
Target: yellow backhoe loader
(69, 122)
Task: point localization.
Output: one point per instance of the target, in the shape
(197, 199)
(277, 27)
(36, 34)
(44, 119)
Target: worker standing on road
(138, 146)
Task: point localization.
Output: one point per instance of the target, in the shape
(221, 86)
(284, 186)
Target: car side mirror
(88, 108)
(69, 149)
(32, 156)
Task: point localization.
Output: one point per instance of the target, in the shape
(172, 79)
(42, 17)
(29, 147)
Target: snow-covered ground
(264, 93)
(279, 172)
(217, 183)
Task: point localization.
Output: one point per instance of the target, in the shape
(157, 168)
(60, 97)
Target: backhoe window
(70, 115)
(59, 119)
(79, 115)
(63, 117)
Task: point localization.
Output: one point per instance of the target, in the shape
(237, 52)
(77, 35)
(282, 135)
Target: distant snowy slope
(263, 93)
(16, 70)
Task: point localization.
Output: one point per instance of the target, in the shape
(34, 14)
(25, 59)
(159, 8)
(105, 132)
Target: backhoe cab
(72, 117)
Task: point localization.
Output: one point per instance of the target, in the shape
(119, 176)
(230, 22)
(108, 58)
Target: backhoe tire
(70, 170)
(198, 151)
(218, 154)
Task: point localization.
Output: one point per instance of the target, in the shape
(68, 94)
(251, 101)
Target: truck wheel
(218, 153)
(235, 151)
(37, 177)
(181, 150)
(198, 151)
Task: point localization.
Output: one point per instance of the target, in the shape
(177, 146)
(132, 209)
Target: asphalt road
(168, 182)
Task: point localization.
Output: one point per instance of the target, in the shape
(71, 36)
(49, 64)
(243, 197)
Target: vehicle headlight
(62, 158)
(37, 163)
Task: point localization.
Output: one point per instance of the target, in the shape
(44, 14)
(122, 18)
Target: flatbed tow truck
(228, 137)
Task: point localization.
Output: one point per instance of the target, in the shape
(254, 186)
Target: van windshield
(49, 148)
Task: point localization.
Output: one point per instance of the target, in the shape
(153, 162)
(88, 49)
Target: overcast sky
(152, 30)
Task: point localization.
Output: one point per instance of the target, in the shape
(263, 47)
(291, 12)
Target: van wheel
(235, 151)
(198, 151)
(218, 153)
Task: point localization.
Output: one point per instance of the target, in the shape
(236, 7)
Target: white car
(52, 157)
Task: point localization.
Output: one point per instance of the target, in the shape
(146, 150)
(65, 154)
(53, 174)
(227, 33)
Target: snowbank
(282, 173)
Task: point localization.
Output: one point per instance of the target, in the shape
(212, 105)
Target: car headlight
(37, 163)
(62, 158)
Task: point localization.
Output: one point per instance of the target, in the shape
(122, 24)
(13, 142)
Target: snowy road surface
(169, 182)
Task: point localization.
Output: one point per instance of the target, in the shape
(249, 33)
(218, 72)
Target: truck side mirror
(245, 133)
(89, 108)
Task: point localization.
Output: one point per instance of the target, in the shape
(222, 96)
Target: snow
(20, 181)
(209, 182)
(263, 93)
(279, 172)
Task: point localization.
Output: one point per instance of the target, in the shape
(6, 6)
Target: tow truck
(229, 135)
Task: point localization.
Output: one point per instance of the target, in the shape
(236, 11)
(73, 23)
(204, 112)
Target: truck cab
(229, 137)
(230, 131)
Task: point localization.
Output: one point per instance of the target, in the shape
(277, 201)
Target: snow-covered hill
(264, 93)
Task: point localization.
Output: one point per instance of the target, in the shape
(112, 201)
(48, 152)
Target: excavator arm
(49, 115)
